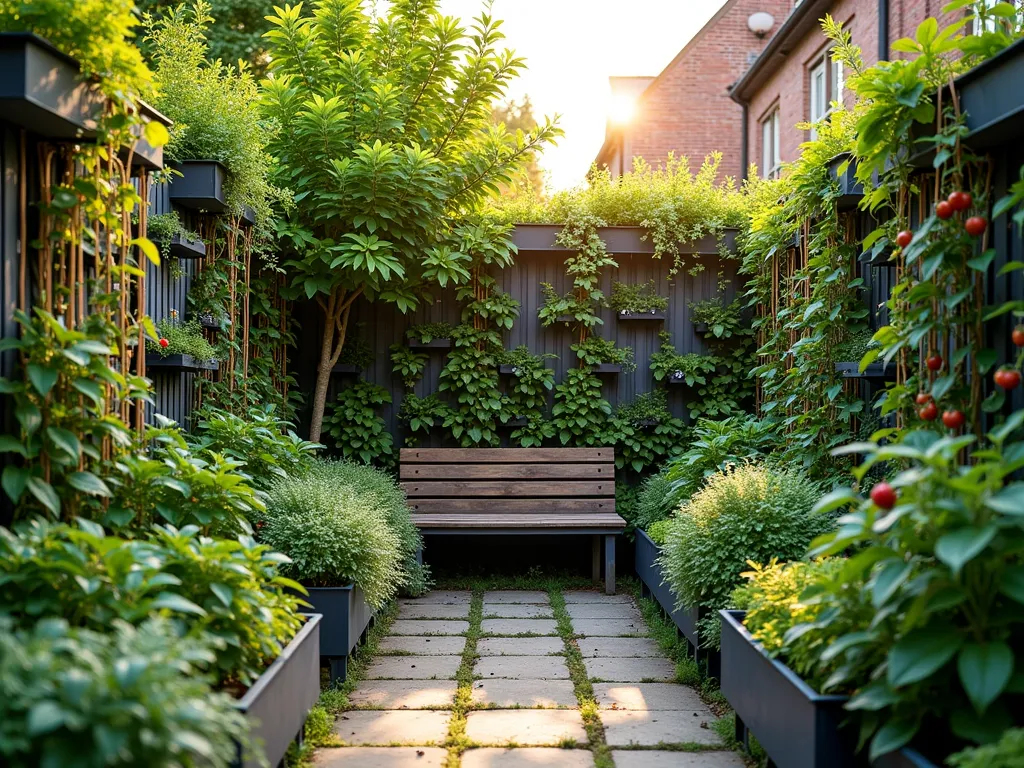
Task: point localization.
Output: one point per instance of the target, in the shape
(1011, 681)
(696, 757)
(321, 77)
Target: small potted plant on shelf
(181, 346)
(714, 317)
(431, 336)
(603, 356)
(638, 302)
(172, 238)
(356, 356)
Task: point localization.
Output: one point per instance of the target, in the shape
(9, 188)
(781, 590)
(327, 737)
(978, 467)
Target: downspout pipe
(883, 30)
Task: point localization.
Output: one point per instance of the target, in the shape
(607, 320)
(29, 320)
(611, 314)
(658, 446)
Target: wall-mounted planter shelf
(607, 368)
(657, 315)
(41, 90)
(700, 329)
(432, 344)
(200, 186)
(507, 369)
(187, 248)
(565, 319)
(879, 371)
(248, 216)
(647, 423)
(145, 155)
(851, 191)
(543, 237)
(346, 619)
(207, 321)
(516, 423)
(183, 363)
(347, 368)
(278, 703)
(797, 726)
(678, 379)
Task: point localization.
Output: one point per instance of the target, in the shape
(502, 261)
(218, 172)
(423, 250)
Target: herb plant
(598, 351)
(183, 338)
(641, 298)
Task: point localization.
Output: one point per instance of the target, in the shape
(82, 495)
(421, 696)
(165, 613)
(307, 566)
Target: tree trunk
(336, 312)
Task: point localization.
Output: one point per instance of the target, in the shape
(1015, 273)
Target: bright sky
(572, 47)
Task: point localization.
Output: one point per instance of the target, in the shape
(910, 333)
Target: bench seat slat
(507, 488)
(506, 455)
(507, 472)
(607, 520)
(513, 506)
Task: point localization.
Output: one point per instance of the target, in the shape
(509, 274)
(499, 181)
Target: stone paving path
(518, 706)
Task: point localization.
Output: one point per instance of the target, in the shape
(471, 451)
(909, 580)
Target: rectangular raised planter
(796, 726)
(186, 247)
(653, 580)
(873, 371)
(607, 368)
(278, 702)
(185, 363)
(432, 344)
(145, 155)
(655, 315)
(200, 186)
(346, 617)
(850, 189)
(543, 237)
(347, 368)
(41, 89)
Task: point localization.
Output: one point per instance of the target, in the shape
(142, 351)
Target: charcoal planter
(182, 247)
(700, 329)
(609, 368)
(346, 619)
(653, 584)
(184, 363)
(851, 191)
(200, 186)
(796, 726)
(278, 703)
(873, 371)
(653, 315)
(432, 344)
(543, 237)
(41, 89)
(144, 154)
(347, 368)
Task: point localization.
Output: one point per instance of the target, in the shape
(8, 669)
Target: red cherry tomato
(164, 343)
(928, 412)
(1007, 378)
(944, 210)
(953, 419)
(934, 362)
(923, 398)
(960, 200)
(976, 225)
(904, 238)
(1018, 335)
(884, 495)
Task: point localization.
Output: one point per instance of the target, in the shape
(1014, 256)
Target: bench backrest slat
(506, 455)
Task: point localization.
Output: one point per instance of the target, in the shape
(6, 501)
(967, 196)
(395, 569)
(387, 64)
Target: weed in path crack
(457, 742)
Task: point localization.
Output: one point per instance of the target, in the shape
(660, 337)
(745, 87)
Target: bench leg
(609, 565)
(595, 559)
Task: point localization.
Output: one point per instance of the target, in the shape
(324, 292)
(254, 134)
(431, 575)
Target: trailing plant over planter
(357, 352)
(356, 431)
(182, 337)
(641, 298)
(579, 414)
(669, 365)
(421, 414)
(723, 321)
(718, 384)
(407, 364)
(598, 351)
(378, 195)
(428, 332)
(161, 229)
(471, 376)
(527, 396)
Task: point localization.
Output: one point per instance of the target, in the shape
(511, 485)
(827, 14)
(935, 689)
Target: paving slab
(403, 694)
(522, 668)
(414, 668)
(428, 627)
(442, 597)
(524, 693)
(620, 670)
(610, 627)
(588, 596)
(519, 646)
(380, 757)
(434, 611)
(517, 611)
(539, 727)
(516, 596)
(518, 626)
(653, 758)
(417, 727)
(622, 647)
(623, 728)
(423, 645)
(648, 696)
(602, 611)
(536, 757)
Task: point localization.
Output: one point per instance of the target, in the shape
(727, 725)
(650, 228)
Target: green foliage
(1007, 752)
(691, 368)
(357, 351)
(162, 227)
(183, 338)
(579, 414)
(214, 106)
(125, 697)
(745, 513)
(421, 414)
(527, 396)
(226, 592)
(944, 570)
(644, 432)
(636, 298)
(654, 502)
(356, 431)
(408, 364)
(334, 535)
(471, 376)
(425, 333)
(724, 321)
(659, 531)
(265, 446)
(719, 384)
(382, 491)
(597, 351)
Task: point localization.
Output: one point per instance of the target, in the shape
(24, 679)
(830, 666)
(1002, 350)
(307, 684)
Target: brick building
(687, 109)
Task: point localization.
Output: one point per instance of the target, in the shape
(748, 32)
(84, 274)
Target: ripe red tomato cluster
(957, 202)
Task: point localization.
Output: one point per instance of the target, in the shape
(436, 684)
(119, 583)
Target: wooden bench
(511, 491)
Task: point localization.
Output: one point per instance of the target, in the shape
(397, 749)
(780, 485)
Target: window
(826, 81)
(990, 23)
(771, 162)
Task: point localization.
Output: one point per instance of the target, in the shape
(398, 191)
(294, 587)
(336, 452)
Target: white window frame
(771, 160)
(827, 82)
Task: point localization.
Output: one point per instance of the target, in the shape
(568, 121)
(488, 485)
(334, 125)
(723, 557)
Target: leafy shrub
(724, 321)
(1008, 752)
(598, 351)
(644, 432)
(385, 493)
(428, 332)
(654, 502)
(264, 445)
(527, 396)
(659, 531)
(408, 364)
(641, 297)
(334, 535)
(228, 592)
(421, 414)
(580, 414)
(745, 513)
(356, 431)
(183, 338)
(126, 696)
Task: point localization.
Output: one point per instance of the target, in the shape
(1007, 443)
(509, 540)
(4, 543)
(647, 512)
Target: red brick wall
(688, 110)
(789, 86)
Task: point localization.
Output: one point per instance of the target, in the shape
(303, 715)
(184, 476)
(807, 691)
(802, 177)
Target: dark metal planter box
(796, 726)
(655, 315)
(277, 704)
(432, 344)
(347, 368)
(187, 248)
(248, 216)
(200, 186)
(850, 189)
(542, 237)
(346, 617)
(208, 322)
(146, 155)
(40, 89)
(653, 584)
(516, 423)
(873, 371)
(185, 363)
(700, 328)
(607, 368)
